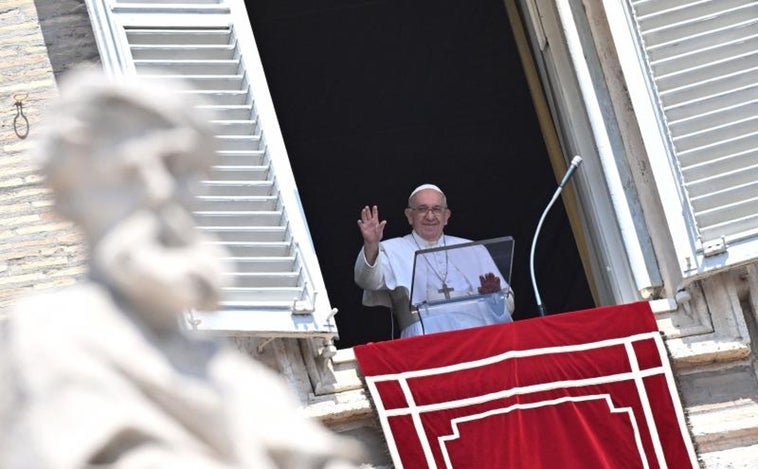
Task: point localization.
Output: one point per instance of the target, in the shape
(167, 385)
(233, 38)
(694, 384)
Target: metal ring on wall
(19, 98)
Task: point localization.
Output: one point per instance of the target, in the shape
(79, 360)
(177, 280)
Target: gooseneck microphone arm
(575, 162)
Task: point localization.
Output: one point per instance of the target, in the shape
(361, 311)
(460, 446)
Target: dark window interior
(377, 97)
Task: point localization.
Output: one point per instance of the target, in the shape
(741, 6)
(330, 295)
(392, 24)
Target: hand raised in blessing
(372, 229)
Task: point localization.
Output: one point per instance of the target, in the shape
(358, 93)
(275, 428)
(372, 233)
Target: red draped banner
(588, 389)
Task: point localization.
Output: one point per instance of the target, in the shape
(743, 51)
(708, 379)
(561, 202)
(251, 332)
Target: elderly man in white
(384, 269)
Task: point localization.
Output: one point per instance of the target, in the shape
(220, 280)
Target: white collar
(428, 244)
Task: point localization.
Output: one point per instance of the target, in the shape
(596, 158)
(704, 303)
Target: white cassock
(459, 268)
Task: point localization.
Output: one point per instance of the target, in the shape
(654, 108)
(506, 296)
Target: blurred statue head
(123, 159)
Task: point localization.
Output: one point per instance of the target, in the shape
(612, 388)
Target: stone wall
(38, 41)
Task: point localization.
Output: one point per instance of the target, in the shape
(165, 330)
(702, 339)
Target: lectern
(446, 288)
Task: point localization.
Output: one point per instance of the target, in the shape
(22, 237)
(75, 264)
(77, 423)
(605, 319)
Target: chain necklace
(445, 290)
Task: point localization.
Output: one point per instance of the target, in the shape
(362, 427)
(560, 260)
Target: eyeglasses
(423, 209)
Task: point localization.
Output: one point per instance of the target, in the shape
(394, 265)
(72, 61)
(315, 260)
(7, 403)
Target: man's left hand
(490, 283)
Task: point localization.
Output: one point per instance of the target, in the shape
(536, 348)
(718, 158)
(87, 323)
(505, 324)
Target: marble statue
(103, 374)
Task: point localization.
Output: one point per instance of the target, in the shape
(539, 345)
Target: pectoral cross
(445, 290)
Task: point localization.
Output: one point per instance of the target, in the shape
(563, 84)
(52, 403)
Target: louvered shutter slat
(185, 37)
(240, 173)
(267, 234)
(207, 69)
(237, 126)
(682, 62)
(172, 2)
(232, 111)
(223, 98)
(263, 264)
(239, 203)
(733, 168)
(195, 52)
(237, 219)
(244, 249)
(241, 157)
(221, 188)
(239, 142)
(702, 119)
(730, 131)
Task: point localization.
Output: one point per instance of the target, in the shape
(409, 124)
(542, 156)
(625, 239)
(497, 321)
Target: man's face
(428, 214)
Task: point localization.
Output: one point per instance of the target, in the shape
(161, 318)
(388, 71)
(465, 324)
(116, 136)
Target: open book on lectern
(447, 285)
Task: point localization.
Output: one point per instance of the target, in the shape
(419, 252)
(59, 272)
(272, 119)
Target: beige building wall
(38, 41)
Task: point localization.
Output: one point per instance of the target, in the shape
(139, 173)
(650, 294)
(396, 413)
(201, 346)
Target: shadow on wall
(68, 34)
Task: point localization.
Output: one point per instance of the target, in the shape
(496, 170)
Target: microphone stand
(575, 162)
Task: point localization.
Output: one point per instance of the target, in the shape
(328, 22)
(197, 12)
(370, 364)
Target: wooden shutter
(702, 60)
(251, 202)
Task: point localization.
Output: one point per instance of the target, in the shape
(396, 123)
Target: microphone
(575, 163)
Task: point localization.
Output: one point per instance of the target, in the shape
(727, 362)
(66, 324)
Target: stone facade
(710, 332)
(38, 249)
(716, 367)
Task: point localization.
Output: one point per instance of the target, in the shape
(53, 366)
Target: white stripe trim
(551, 386)
(676, 402)
(533, 405)
(642, 393)
(513, 354)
